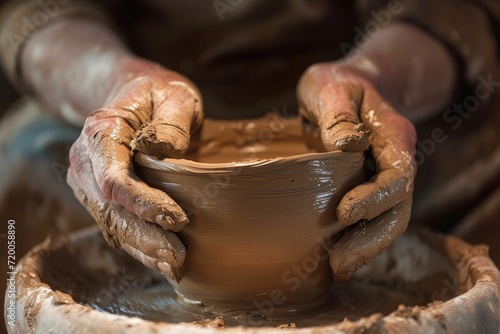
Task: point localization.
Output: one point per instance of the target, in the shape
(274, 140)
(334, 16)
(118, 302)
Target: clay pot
(423, 283)
(260, 206)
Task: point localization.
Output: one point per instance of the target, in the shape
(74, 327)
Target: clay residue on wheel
(419, 271)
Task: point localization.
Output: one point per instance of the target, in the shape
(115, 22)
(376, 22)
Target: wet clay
(421, 283)
(261, 205)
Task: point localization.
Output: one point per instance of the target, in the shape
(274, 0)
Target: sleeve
(20, 19)
(468, 28)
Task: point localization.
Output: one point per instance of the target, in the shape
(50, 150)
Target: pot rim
(191, 166)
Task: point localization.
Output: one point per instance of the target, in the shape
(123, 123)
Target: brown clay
(259, 222)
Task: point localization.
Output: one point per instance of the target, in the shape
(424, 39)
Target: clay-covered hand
(152, 110)
(337, 97)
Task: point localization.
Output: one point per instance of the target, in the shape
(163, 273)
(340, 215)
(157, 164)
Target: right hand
(338, 97)
(152, 110)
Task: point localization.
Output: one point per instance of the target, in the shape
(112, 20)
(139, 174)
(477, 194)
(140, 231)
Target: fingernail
(176, 258)
(352, 142)
(342, 270)
(165, 221)
(357, 214)
(173, 273)
(166, 255)
(166, 270)
(183, 221)
(342, 276)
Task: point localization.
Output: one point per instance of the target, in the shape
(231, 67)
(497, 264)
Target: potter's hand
(336, 98)
(154, 112)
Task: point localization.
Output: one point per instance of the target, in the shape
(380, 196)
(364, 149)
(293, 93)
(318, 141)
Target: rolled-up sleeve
(20, 19)
(468, 28)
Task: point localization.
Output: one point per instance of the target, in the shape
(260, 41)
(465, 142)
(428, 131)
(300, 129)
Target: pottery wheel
(421, 280)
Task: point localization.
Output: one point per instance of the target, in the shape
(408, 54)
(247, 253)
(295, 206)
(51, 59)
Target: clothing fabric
(229, 48)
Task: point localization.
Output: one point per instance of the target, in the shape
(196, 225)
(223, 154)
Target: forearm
(410, 68)
(73, 66)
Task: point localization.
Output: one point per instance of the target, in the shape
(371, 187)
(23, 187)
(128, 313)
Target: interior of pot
(223, 142)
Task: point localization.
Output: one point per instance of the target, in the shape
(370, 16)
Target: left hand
(336, 96)
(153, 111)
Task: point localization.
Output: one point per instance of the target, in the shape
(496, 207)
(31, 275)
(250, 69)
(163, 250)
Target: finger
(334, 107)
(370, 199)
(150, 244)
(175, 273)
(176, 113)
(112, 167)
(367, 240)
(156, 248)
(392, 139)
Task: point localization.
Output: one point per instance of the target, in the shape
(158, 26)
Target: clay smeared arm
(85, 75)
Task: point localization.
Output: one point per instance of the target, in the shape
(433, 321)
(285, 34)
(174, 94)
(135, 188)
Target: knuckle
(77, 150)
(74, 153)
(77, 162)
(329, 91)
(317, 69)
(405, 126)
(109, 228)
(91, 124)
(183, 89)
(96, 133)
(103, 122)
(409, 129)
(110, 238)
(109, 181)
(314, 78)
(180, 136)
(343, 120)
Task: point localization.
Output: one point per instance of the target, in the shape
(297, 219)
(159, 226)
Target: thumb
(163, 138)
(346, 136)
(176, 113)
(334, 107)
